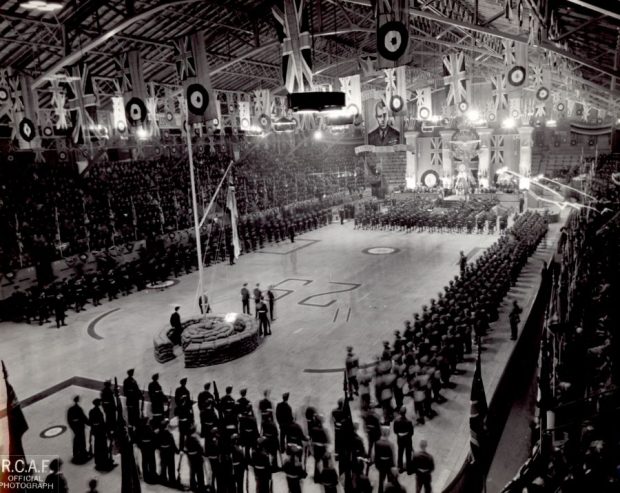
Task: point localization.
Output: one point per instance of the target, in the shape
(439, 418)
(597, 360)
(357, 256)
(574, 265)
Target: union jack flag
(83, 98)
(497, 150)
(498, 89)
(436, 152)
(186, 65)
(455, 77)
(292, 28)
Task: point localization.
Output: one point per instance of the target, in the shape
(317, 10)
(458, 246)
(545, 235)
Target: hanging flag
(478, 414)
(515, 58)
(455, 77)
(424, 103)
(352, 88)
(393, 33)
(245, 115)
(130, 480)
(231, 204)
(83, 98)
(436, 152)
(293, 32)
(11, 430)
(497, 150)
(368, 67)
(498, 90)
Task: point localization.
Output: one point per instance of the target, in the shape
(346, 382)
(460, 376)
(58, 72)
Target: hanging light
(41, 6)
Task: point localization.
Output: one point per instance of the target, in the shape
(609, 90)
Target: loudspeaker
(316, 101)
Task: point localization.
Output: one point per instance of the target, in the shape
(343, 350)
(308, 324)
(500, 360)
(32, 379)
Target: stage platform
(337, 286)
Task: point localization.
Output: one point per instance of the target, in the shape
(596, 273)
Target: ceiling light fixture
(41, 6)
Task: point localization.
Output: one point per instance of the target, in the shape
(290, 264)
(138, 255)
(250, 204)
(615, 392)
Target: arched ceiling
(244, 54)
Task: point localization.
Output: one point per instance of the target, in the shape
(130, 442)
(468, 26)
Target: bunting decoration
(396, 89)
(151, 109)
(515, 58)
(352, 88)
(436, 152)
(293, 33)
(245, 116)
(118, 115)
(497, 150)
(392, 33)
(368, 67)
(498, 90)
(455, 78)
(262, 108)
(59, 99)
(424, 103)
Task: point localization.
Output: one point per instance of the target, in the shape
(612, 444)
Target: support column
(411, 170)
(525, 156)
(484, 158)
(446, 156)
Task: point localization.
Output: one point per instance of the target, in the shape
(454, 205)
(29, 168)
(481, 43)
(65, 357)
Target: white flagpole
(195, 208)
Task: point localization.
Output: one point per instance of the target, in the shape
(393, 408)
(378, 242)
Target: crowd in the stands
(50, 211)
(579, 450)
(426, 214)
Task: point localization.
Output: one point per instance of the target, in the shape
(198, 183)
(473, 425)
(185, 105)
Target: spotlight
(41, 6)
(551, 123)
(142, 134)
(509, 123)
(230, 317)
(473, 115)
(318, 135)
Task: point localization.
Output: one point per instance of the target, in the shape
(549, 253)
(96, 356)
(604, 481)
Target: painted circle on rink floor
(168, 283)
(53, 431)
(381, 250)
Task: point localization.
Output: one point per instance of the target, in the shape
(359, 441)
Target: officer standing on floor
(133, 396)
(403, 429)
(175, 323)
(157, 398)
(284, 416)
(167, 452)
(271, 298)
(77, 422)
(423, 465)
(384, 457)
(514, 320)
(294, 470)
(108, 402)
(352, 365)
(239, 464)
(204, 396)
(257, 297)
(146, 442)
(262, 469)
(196, 463)
(264, 326)
(245, 298)
(103, 460)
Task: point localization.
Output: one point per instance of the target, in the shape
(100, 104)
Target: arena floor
(332, 292)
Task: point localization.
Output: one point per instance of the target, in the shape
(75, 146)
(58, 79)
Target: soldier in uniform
(245, 298)
(248, 431)
(99, 432)
(294, 470)
(181, 391)
(157, 398)
(284, 416)
(205, 396)
(239, 464)
(77, 422)
(209, 419)
(133, 396)
(372, 425)
(146, 442)
(257, 297)
(177, 328)
(265, 407)
(264, 326)
(60, 308)
(515, 318)
(196, 463)
(403, 429)
(271, 298)
(228, 409)
(167, 452)
(213, 451)
(270, 439)
(262, 469)
(423, 465)
(384, 456)
(352, 366)
(328, 477)
(338, 422)
(320, 441)
(185, 414)
(108, 402)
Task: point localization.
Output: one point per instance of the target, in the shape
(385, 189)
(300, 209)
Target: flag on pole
(478, 414)
(130, 480)
(11, 429)
(231, 204)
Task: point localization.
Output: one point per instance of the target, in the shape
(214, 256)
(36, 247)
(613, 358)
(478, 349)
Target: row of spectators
(115, 202)
(579, 449)
(426, 214)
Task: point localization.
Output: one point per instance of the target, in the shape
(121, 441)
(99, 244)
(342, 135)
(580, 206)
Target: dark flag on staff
(478, 415)
(130, 480)
(11, 429)
(231, 204)
(216, 395)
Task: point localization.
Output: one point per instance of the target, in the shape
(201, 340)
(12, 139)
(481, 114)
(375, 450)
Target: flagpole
(195, 208)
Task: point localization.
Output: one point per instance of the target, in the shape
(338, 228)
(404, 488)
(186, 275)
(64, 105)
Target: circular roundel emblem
(396, 104)
(560, 107)
(169, 116)
(121, 127)
(135, 110)
(157, 151)
(515, 113)
(26, 129)
(62, 155)
(353, 109)
(392, 40)
(216, 122)
(424, 113)
(197, 99)
(4, 95)
(430, 179)
(48, 131)
(516, 76)
(11, 158)
(245, 123)
(445, 122)
(491, 117)
(542, 94)
(264, 121)
(53, 431)
(579, 112)
(463, 106)
(381, 250)
(168, 283)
